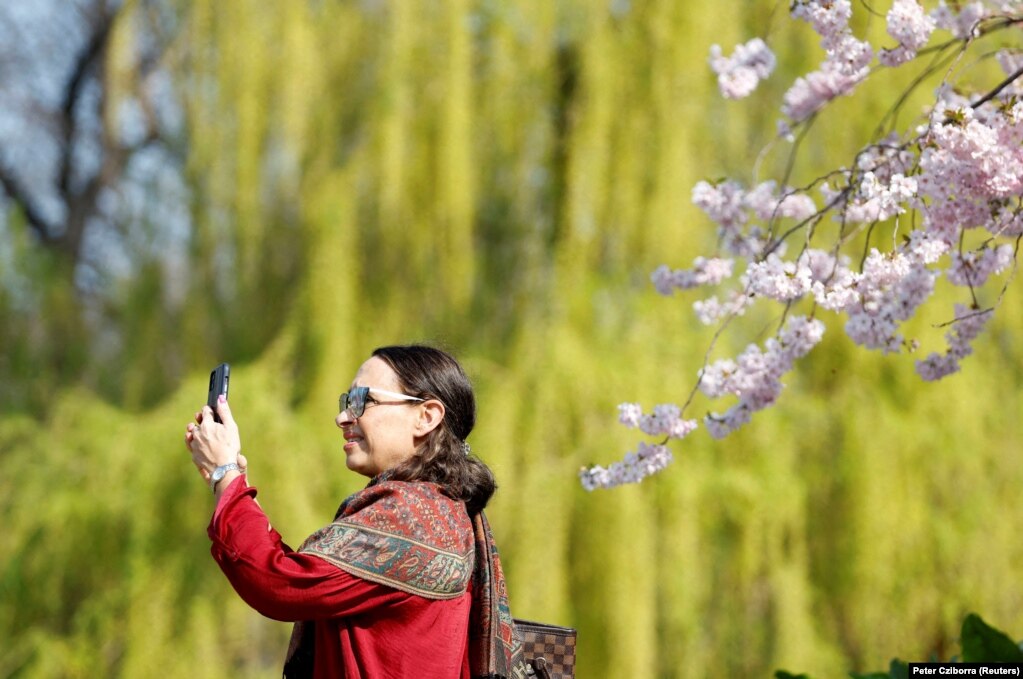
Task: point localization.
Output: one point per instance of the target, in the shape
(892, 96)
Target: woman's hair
(442, 458)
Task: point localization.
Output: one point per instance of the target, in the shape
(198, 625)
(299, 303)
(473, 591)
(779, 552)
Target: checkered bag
(548, 650)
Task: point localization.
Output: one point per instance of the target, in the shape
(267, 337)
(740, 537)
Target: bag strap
(540, 669)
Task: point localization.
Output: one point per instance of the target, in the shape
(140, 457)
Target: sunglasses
(357, 398)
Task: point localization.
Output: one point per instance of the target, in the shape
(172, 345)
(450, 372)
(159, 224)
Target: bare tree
(65, 139)
(85, 135)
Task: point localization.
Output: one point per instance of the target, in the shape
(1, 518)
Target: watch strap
(220, 472)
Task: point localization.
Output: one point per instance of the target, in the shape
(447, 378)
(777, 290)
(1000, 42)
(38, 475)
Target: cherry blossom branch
(959, 169)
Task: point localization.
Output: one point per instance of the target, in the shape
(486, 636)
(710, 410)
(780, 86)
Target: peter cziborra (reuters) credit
(965, 669)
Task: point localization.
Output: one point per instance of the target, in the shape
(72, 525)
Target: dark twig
(1001, 86)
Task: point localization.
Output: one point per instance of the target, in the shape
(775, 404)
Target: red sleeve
(275, 580)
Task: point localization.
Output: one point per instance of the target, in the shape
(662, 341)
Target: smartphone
(219, 380)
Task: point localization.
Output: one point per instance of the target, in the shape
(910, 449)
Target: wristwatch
(220, 472)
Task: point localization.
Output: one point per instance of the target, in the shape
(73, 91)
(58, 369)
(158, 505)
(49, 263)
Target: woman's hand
(214, 444)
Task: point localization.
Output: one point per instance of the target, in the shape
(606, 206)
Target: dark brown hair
(430, 373)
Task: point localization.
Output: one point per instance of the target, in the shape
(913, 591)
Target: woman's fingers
(211, 442)
(224, 411)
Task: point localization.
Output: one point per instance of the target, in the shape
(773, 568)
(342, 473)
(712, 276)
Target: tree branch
(73, 91)
(1001, 86)
(14, 191)
(82, 203)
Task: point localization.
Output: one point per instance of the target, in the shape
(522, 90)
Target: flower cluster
(730, 205)
(847, 63)
(739, 74)
(967, 325)
(973, 268)
(648, 459)
(891, 288)
(755, 375)
(712, 310)
(779, 279)
(768, 204)
(962, 24)
(972, 163)
(956, 179)
(908, 24)
(705, 271)
(664, 420)
(877, 201)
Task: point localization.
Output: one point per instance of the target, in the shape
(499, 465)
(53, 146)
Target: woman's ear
(431, 414)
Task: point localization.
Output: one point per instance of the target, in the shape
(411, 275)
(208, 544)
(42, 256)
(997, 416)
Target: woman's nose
(343, 418)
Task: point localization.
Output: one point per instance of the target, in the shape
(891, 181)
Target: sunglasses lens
(354, 401)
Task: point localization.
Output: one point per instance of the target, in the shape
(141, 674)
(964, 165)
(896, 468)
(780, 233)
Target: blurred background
(287, 185)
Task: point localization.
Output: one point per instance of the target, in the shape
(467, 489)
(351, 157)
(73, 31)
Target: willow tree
(501, 178)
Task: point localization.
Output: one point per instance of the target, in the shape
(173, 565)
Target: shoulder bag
(549, 650)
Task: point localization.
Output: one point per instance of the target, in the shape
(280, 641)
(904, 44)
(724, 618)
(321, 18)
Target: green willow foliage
(500, 178)
(980, 643)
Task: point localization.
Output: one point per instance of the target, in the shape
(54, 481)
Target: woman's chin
(358, 462)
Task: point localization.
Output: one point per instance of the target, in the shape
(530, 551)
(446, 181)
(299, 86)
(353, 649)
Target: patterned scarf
(495, 647)
(412, 537)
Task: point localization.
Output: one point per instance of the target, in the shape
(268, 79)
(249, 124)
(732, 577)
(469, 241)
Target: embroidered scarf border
(404, 535)
(393, 560)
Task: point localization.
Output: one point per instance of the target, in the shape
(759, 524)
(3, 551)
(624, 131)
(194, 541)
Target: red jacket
(363, 630)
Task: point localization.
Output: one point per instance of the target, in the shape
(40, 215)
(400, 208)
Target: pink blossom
(963, 24)
(710, 311)
(629, 414)
(778, 279)
(850, 57)
(834, 283)
(824, 266)
(876, 202)
(1007, 222)
(726, 204)
(910, 27)
(705, 271)
(886, 158)
(891, 288)
(664, 420)
(768, 206)
(936, 366)
(969, 165)
(729, 205)
(926, 247)
(647, 460)
(739, 74)
(722, 202)
(755, 375)
(846, 65)
(809, 93)
(968, 324)
(973, 268)
(837, 295)
(829, 18)
(908, 24)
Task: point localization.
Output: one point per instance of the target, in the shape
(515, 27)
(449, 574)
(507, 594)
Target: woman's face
(387, 433)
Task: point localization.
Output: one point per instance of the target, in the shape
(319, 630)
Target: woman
(406, 581)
